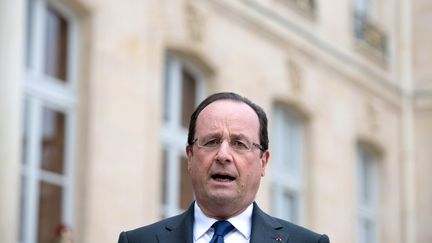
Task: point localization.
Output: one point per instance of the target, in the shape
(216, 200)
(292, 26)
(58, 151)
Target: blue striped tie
(221, 228)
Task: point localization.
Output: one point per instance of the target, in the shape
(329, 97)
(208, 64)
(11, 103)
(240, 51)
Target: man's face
(226, 180)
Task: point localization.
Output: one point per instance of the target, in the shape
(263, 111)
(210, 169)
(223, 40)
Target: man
(227, 155)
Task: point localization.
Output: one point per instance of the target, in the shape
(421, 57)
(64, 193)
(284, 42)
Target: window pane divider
(53, 178)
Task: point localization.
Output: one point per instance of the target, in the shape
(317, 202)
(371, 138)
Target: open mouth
(223, 178)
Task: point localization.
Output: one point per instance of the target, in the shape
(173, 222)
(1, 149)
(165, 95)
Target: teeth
(222, 178)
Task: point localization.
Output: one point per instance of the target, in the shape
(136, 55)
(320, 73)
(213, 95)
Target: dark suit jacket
(178, 229)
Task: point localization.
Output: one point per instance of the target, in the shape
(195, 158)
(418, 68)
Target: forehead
(229, 115)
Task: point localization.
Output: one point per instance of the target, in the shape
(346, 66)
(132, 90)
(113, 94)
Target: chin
(222, 199)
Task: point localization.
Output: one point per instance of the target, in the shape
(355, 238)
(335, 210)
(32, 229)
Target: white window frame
(368, 19)
(361, 6)
(287, 179)
(368, 8)
(42, 91)
(174, 135)
(367, 167)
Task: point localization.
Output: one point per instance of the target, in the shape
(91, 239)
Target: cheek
(252, 170)
(195, 175)
(198, 166)
(193, 168)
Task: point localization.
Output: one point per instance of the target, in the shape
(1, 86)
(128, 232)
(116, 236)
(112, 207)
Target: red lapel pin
(279, 239)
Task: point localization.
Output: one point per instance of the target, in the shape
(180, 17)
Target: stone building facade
(95, 98)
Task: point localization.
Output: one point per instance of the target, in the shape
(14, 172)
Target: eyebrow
(239, 136)
(232, 136)
(212, 134)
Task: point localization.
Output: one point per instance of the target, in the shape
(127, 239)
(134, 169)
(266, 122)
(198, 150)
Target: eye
(212, 142)
(239, 145)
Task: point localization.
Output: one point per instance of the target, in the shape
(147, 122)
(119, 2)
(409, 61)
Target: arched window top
(193, 59)
(295, 109)
(370, 146)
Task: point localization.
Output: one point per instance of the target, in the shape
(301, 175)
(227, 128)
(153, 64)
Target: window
(366, 29)
(183, 89)
(48, 122)
(367, 193)
(305, 7)
(287, 164)
(56, 42)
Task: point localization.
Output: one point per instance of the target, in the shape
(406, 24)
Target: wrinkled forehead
(228, 116)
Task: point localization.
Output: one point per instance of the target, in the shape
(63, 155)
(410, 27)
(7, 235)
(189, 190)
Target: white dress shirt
(203, 232)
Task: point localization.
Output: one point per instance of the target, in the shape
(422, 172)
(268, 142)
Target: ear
(189, 154)
(264, 162)
(189, 151)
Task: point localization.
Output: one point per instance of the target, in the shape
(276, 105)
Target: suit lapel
(266, 229)
(180, 229)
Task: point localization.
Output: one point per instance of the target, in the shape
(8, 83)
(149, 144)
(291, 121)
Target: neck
(221, 212)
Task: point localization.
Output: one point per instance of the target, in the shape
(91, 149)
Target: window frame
(286, 183)
(366, 31)
(42, 91)
(174, 135)
(368, 211)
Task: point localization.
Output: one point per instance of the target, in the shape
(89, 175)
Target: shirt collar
(242, 222)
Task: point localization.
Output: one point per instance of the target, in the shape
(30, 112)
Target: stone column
(408, 147)
(12, 18)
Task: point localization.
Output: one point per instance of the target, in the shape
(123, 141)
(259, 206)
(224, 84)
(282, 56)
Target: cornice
(290, 34)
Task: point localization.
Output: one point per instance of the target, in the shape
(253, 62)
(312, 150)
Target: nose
(224, 153)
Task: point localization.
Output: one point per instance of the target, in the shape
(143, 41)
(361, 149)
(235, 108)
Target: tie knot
(222, 228)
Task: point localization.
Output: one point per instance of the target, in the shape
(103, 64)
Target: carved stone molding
(195, 21)
(372, 116)
(295, 76)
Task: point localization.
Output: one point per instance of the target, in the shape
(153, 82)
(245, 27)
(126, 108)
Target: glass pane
(292, 138)
(368, 177)
(367, 231)
(290, 151)
(188, 96)
(366, 182)
(22, 211)
(29, 31)
(56, 43)
(50, 208)
(24, 138)
(277, 202)
(167, 95)
(164, 177)
(53, 137)
(186, 194)
(292, 206)
(361, 6)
